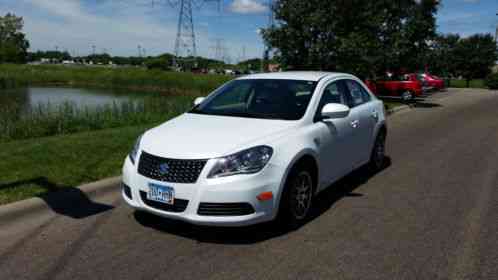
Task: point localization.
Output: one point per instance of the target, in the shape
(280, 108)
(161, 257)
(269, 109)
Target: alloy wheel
(407, 96)
(301, 195)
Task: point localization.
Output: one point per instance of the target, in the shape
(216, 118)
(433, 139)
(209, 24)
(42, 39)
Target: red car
(429, 82)
(396, 86)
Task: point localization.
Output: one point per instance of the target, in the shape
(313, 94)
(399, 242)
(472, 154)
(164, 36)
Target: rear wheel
(297, 198)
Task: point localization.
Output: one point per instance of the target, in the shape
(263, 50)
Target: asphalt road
(432, 213)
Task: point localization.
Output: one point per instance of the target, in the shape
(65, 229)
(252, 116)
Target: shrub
(492, 81)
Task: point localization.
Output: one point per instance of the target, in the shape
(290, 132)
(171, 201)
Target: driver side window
(335, 92)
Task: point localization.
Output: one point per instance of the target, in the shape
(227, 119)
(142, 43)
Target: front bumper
(231, 189)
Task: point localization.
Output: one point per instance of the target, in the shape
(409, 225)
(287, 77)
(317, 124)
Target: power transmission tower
(219, 49)
(185, 43)
(242, 55)
(185, 35)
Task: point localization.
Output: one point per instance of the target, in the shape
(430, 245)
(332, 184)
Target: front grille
(127, 191)
(178, 170)
(178, 206)
(224, 209)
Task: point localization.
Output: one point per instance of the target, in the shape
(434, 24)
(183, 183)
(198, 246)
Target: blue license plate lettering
(159, 193)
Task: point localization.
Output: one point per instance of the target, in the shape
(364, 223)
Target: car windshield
(260, 98)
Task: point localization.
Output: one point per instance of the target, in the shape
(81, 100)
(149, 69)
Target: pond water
(32, 98)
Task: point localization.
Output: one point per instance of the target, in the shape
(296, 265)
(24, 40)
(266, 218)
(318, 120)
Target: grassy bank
(132, 78)
(38, 166)
(46, 119)
(479, 83)
(174, 94)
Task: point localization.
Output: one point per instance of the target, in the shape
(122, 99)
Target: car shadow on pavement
(261, 232)
(63, 200)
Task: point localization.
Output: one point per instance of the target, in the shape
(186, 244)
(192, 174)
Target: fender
(304, 152)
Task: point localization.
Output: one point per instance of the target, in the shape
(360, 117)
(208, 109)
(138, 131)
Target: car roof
(295, 75)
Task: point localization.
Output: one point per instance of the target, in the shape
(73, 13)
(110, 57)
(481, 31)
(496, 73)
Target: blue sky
(119, 26)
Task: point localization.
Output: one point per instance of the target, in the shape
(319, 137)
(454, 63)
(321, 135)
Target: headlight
(134, 151)
(245, 162)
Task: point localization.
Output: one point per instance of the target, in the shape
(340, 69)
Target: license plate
(159, 193)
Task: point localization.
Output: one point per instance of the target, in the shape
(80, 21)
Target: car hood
(196, 136)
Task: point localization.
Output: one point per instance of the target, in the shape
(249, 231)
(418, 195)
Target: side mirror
(198, 100)
(335, 111)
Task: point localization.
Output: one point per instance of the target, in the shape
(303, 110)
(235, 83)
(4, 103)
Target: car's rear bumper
(238, 189)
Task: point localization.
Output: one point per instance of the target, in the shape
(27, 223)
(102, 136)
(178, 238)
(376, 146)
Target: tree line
(363, 37)
(368, 38)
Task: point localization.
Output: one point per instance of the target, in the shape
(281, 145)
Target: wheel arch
(308, 157)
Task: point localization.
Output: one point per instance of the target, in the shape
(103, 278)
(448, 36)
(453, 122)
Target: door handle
(355, 123)
(375, 114)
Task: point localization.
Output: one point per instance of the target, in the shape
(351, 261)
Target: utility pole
(496, 33)
(271, 23)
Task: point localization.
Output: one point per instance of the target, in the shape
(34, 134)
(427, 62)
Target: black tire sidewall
(380, 136)
(286, 216)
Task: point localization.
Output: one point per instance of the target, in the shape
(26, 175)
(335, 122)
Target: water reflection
(26, 99)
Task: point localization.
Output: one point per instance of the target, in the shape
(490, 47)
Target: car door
(334, 136)
(366, 115)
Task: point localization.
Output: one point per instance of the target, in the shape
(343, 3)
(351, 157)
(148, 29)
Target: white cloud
(112, 25)
(118, 26)
(247, 7)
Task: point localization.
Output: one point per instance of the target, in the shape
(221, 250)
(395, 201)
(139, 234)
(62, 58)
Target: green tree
(253, 64)
(442, 55)
(358, 36)
(13, 43)
(474, 56)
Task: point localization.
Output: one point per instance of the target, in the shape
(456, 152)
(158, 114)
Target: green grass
(87, 146)
(479, 83)
(389, 104)
(37, 166)
(133, 78)
(47, 120)
(175, 92)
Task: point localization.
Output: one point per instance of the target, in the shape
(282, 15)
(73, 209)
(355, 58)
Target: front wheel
(297, 198)
(377, 158)
(407, 96)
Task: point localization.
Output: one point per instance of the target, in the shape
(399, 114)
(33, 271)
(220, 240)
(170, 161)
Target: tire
(378, 157)
(407, 96)
(297, 198)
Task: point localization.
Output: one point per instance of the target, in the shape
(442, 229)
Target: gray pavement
(432, 213)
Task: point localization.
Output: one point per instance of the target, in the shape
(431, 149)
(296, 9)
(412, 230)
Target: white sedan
(256, 149)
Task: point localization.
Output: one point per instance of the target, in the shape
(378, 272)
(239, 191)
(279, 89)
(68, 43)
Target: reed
(48, 119)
